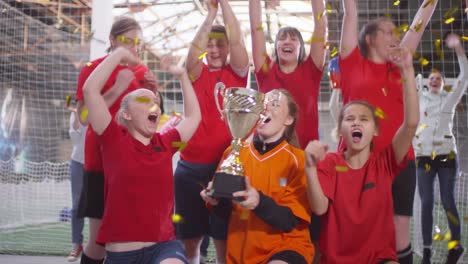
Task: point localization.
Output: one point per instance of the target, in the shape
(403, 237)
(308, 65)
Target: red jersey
(381, 86)
(212, 136)
(279, 174)
(303, 84)
(93, 160)
(138, 192)
(358, 226)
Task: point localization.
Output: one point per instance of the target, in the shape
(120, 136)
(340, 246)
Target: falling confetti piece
(428, 3)
(316, 40)
(216, 35)
(259, 28)
(447, 236)
(427, 167)
(451, 155)
(433, 155)
(67, 100)
(449, 13)
(422, 126)
(418, 25)
(447, 88)
(334, 52)
(452, 218)
(179, 144)
(437, 237)
(89, 64)
(452, 244)
(341, 169)
(154, 108)
(84, 115)
(319, 16)
(379, 113)
(191, 77)
(384, 91)
(329, 8)
(244, 215)
(396, 3)
(176, 218)
(202, 55)
(142, 99)
(464, 38)
(439, 53)
(449, 20)
(423, 61)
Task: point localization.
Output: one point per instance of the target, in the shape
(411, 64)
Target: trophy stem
(232, 164)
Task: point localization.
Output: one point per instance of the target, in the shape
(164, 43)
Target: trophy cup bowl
(241, 110)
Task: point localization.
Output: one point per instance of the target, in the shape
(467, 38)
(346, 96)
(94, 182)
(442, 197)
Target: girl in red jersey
(352, 189)
(291, 68)
(270, 225)
(136, 225)
(199, 159)
(127, 33)
(367, 74)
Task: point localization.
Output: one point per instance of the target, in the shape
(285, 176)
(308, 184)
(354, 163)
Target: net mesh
(41, 53)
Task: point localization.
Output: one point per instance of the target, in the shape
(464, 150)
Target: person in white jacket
(436, 151)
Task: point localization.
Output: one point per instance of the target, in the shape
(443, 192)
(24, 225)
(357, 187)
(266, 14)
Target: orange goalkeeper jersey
(279, 174)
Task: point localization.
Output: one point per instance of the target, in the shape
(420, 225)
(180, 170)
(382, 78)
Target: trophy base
(225, 184)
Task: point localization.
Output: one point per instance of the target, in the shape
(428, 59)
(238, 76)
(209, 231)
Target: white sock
(195, 260)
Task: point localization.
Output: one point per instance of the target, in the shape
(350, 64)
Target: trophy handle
(219, 86)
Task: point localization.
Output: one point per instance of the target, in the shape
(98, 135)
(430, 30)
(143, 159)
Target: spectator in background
(436, 152)
(77, 134)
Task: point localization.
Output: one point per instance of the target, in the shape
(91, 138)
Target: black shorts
(92, 195)
(197, 220)
(288, 256)
(403, 189)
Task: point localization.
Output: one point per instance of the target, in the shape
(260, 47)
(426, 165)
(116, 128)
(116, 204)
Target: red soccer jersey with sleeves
(358, 226)
(93, 161)
(212, 136)
(304, 85)
(381, 86)
(139, 191)
(279, 174)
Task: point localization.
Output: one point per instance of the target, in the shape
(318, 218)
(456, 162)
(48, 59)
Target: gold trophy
(241, 111)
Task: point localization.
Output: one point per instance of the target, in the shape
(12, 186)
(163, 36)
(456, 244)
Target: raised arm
(317, 46)
(257, 33)
(414, 34)
(401, 142)
(453, 41)
(349, 28)
(239, 59)
(99, 116)
(314, 152)
(194, 65)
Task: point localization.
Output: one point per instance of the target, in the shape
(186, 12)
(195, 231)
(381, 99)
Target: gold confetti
(452, 244)
(464, 38)
(433, 155)
(439, 53)
(216, 35)
(453, 218)
(176, 218)
(191, 77)
(202, 55)
(384, 91)
(67, 100)
(449, 20)
(244, 215)
(396, 3)
(447, 236)
(451, 155)
(179, 144)
(84, 115)
(89, 64)
(449, 13)
(437, 237)
(319, 16)
(422, 126)
(418, 25)
(401, 29)
(334, 52)
(447, 88)
(419, 145)
(317, 40)
(341, 169)
(329, 8)
(142, 99)
(265, 67)
(423, 61)
(428, 3)
(379, 113)
(427, 167)
(259, 28)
